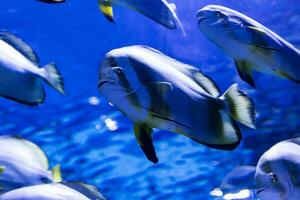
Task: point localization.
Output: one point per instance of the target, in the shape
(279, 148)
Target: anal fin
(143, 134)
(245, 72)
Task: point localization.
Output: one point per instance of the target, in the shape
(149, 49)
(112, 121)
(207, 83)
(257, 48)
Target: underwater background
(94, 142)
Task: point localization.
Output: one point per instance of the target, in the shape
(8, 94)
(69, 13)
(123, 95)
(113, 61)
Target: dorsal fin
(206, 83)
(19, 45)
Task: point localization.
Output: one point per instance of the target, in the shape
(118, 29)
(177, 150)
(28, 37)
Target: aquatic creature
(158, 10)
(252, 46)
(52, 1)
(61, 191)
(23, 163)
(237, 184)
(156, 91)
(20, 77)
(278, 172)
(241, 177)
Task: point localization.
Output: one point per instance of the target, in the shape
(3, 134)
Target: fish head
(118, 79)
(277, 172)
(221, 25)
(269, 182)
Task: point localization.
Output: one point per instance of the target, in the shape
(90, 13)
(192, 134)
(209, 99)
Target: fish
(278, 172)
(20, 76)
(157, 91)
(239, 178)
(51, 191)
(237, 184)
(52, 1)
(23, 163)
(160, 11)
(252, 46)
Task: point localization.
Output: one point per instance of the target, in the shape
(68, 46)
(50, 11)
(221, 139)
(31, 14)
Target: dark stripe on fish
(157, 102)
(133, 98)
(228, 147)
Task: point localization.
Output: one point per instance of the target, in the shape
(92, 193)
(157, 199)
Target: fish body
(160, 11)
(23, 163)
(156, 91)
(253, 46)
(53, 191)
(20, 77)
(278, 172)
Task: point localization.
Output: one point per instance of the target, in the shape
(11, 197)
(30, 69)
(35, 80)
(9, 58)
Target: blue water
(94, 142)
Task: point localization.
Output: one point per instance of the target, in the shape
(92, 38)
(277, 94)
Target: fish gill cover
(94, 142)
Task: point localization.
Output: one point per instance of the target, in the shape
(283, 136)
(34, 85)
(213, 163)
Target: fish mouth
(103, 82)
(259, 191)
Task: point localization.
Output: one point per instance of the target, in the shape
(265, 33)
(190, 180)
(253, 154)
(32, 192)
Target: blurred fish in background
(239, 183)
(160, 11)
(20, 75)
(278, 172)
(23, 163)
(59, 191)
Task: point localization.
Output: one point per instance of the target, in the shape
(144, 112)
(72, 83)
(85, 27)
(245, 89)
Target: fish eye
(118, 70)
(273, 177)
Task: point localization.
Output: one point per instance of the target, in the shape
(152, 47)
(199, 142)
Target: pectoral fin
(143, 134)
(107, 10)
(263, 43)
(245, 71)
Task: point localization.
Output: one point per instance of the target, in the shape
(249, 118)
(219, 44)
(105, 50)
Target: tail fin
(53, 77)
(240, 106)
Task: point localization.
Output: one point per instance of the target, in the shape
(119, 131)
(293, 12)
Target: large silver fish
(20, 77)
(59, 191)
(156, 91)
(252, 46)
(278, 172)
(158, 10)
(23, 163)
